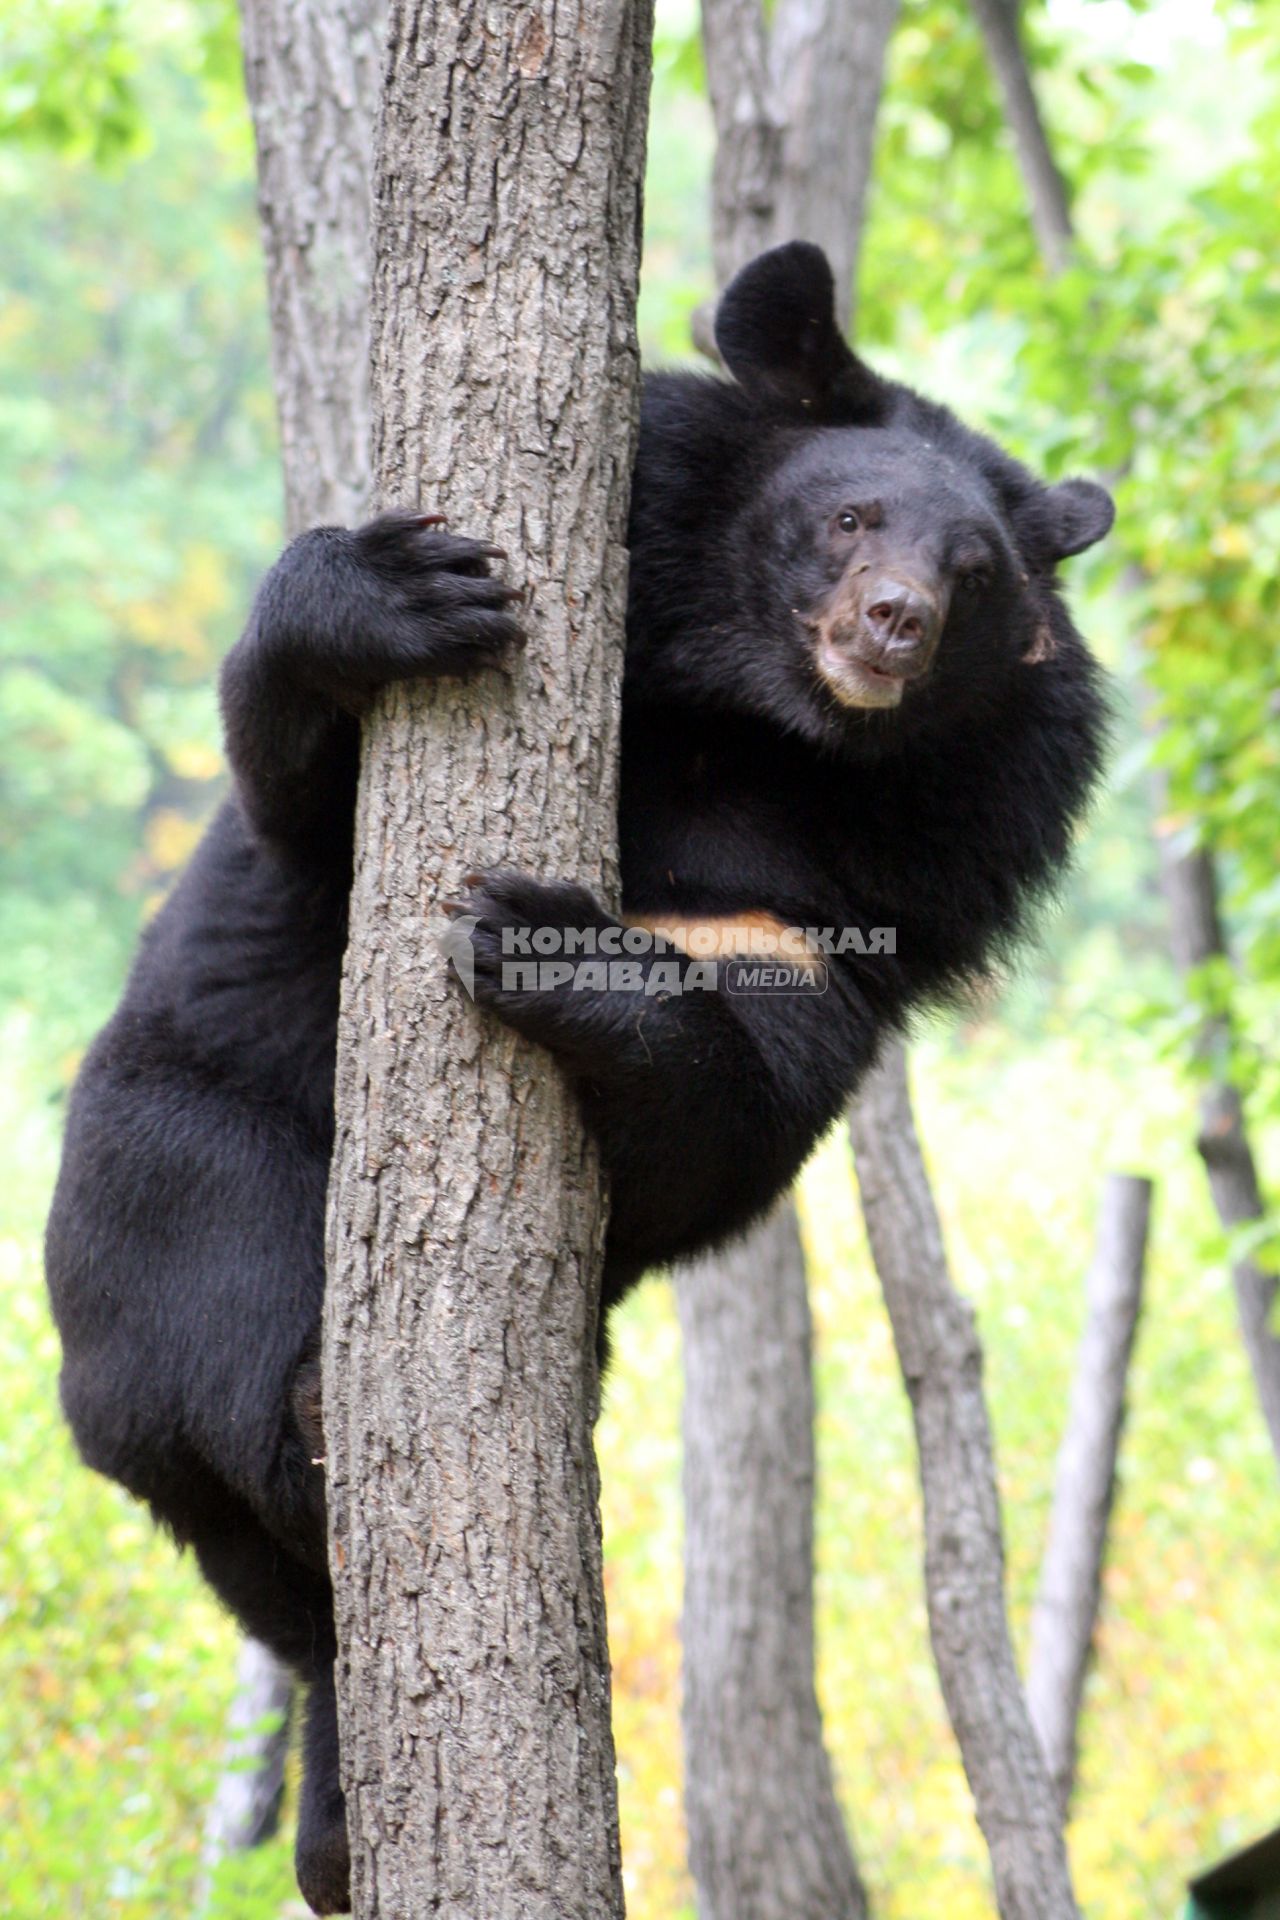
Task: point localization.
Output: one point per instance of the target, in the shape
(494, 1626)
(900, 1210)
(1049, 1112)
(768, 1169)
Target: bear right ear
(777, 334)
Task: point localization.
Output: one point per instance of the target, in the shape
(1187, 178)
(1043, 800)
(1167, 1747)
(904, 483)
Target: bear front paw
(514, 940)
(443, 610)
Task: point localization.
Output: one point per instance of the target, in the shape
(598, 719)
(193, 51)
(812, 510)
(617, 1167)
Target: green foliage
(1150, 360)
(69, 79)
(136, 437)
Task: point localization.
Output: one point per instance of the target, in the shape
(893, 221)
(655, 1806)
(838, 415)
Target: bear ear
(1072, 516)
(777, 334)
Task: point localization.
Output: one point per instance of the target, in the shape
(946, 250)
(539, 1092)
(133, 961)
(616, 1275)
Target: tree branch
(1046, 189)
(1190, 885)
(1066, 1609)
(941, 1361)
(795, 106)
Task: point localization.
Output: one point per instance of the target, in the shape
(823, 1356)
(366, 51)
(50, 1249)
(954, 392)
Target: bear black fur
(853, 699)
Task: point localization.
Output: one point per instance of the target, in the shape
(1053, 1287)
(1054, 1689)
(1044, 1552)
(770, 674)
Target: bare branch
(748, 158)
(941, 1362)
(1046, 189)
(1190, 884)
(1066, 1609)
(827, 62)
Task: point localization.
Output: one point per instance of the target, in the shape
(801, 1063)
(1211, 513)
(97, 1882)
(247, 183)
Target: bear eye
(849, 520)
(972, 579)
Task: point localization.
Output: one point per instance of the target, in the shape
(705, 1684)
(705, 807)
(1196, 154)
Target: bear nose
(905, 622)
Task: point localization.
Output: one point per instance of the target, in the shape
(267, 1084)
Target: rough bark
(766, 1837)
(312, 69)
(245, 1809)
(795, 106)
(465, 1220)
(1046, 189)
(1066, 1608)
(941, 1361)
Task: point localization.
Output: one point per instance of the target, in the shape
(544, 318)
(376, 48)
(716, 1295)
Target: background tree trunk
(795, 107)
(312, 70)
(1190, 884)
(941, 1362)
(245, 1809)
(794, 101)
(1066, 1609)
(766, 1839)
(465, 1220)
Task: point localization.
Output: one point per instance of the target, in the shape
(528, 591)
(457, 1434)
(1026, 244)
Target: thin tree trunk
(311, 72)
(1066, 1609)
(766, 1837)
(312, 68)
(941, 1360)
(465, 1221)
(1046, 189)
(795, 107)
(1191, 894)
(1189, 880)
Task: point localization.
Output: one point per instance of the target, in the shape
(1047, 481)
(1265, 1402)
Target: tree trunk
(795, 107)
(312, 69)
(941, 1360)
(465, 1222)
(766, 1837)
(1066, 1609)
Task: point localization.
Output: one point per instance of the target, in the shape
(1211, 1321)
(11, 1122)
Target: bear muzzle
(875, 635)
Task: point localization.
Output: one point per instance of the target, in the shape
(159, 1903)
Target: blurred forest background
(141, 497)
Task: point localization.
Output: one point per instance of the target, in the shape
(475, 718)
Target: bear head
(869, 567)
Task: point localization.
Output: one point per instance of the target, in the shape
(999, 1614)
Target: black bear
(853, 699)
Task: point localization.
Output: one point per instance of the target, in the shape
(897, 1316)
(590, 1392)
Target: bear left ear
(1072, 516)
(777, 334)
